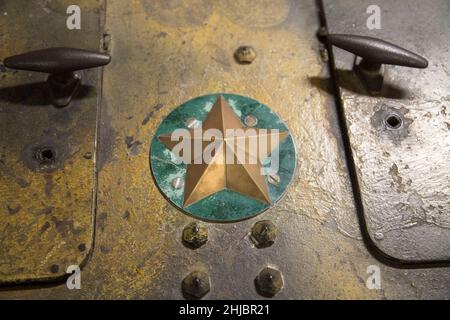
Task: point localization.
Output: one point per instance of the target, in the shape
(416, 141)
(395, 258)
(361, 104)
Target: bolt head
(322, 33)
(245, 55)
(195, 235)
(274, 179)
(269, 282)
(196, 285)
(177, 183)
(263, 234)
(379, 236)
(88, 155)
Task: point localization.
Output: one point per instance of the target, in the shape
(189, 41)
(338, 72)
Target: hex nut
(196, 285)
(269, 282)
(263, 234)
(245, 55)
(195, 235)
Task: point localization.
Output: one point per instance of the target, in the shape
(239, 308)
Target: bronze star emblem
(205, 179)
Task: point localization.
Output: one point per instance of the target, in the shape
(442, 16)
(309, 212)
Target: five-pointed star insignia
(203, 180)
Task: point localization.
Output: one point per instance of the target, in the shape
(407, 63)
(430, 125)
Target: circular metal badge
(223, 157)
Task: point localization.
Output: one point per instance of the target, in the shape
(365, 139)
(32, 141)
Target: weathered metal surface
(46, 180)
(171, 60)
(400, 139)
(164, 55)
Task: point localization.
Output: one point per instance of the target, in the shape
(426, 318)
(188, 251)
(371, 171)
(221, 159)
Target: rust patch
(126, 215)
(101, 221)
(66, 226)
(48, 184)
(105, 249)
(20, 181)
(45, 227)
(134, 148)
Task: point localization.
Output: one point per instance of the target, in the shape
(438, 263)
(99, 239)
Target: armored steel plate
(224, 192)
(400, 138)
(47, 176)
(167, 52)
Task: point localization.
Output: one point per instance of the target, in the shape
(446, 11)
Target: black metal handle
(57, 60)
(376, 51)
(61, 63)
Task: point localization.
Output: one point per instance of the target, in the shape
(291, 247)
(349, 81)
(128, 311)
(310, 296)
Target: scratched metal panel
(404, 174)
(46, 213)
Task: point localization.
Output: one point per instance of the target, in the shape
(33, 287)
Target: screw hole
(393, 121)
(45, 155)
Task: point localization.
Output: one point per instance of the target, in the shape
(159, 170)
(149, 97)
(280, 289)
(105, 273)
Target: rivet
(274, 179)
(250, 120)
(177, 183)
(193, 123)
(88, 155)
(245, 55)
(322, 33)
(379, 236)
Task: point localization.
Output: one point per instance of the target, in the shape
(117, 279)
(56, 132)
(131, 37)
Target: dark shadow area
(348, 80)
(37, 94)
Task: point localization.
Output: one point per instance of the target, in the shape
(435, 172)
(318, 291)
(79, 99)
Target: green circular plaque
(220, 190)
